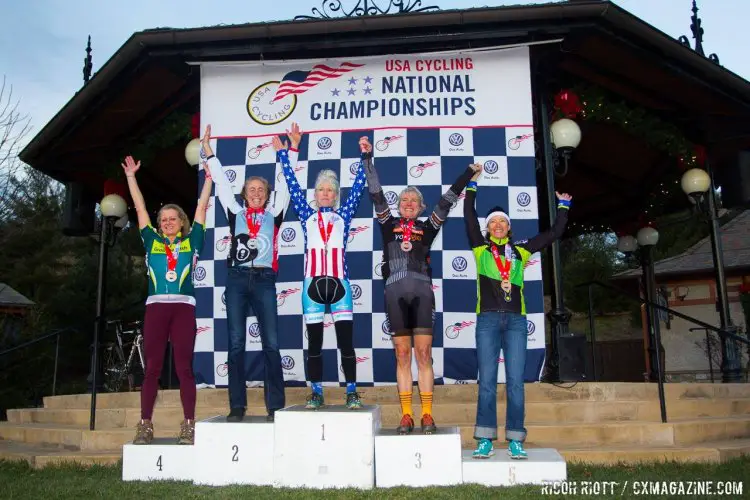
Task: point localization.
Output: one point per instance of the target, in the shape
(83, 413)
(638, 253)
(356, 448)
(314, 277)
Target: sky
(42, 43)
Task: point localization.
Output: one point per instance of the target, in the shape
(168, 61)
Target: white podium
(542, 466)
(163, 459)
(234, 452)
(332, 447)
(418, 459)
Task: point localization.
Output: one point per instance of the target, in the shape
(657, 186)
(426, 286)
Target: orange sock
(405, 398)
(426, 398)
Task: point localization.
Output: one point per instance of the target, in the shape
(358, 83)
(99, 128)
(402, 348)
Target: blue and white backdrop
(429, 116)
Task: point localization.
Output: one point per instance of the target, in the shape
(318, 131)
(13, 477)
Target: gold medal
(171, 276)
(507, 288)
(406, 246)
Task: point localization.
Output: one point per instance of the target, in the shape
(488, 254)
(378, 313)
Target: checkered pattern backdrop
(428, 158)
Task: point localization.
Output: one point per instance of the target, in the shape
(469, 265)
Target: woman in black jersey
(409, 299)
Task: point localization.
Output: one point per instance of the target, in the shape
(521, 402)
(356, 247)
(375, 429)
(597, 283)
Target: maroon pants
(174, 322)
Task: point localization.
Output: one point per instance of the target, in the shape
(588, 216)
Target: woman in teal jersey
(172, 250)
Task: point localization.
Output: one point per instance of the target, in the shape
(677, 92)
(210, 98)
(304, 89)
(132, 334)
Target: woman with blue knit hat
(501, 316)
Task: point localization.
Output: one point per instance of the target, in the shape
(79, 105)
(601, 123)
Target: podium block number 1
(322, 432)
(236, 450)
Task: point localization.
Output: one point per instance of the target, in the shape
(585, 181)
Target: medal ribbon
(172, 258)
(325, 235)
(504, 268)
(406, 228)
(254, 223)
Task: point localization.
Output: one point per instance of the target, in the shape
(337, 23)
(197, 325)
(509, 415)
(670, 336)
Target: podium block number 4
(158, 463)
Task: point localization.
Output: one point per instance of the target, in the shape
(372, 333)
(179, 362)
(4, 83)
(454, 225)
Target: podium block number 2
(158, 463)
(236, 450)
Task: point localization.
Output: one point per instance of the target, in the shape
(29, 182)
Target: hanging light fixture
(192, 152)
(566, 135)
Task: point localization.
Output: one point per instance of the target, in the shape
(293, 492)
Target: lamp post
(192, 152)
(699, 186)
(113, 209)
(647, 238)
(559, 140)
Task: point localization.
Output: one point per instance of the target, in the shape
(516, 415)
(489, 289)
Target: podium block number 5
(158, 463)
(236, 450)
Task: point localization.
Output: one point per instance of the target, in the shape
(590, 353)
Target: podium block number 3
(236, 450)
(158, 463)
(418, 463)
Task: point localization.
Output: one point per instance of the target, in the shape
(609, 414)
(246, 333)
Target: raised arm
(200, 209)
(546, 238)
(446, 202)
(349, 207)
(280, 197)
(297, 194)
(212, 164)
(382, 209)
(131, 167)
(470, 212)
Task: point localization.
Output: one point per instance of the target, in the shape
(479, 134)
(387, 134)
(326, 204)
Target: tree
(13, 129)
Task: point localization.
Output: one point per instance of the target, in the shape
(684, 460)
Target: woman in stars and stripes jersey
(326, 282)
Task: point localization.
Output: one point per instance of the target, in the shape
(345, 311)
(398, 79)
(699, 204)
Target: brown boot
(187, 432)
(144, 432)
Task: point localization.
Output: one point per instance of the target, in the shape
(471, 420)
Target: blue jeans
(504, 330)
(255, 287)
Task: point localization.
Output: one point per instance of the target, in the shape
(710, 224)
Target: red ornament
(568, 103)
(195, 125)
(700, 155)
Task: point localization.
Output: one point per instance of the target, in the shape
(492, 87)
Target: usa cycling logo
(386, 327)
(391, 197)
(452, 331)
(282, 295)
(523, 199)
(325, 143)
(354, 231)
(231, 175)
(460, 264)
(418, 170)
(202, 329)
(287, 362)
(491, 167)
(221, 244)
(382, 145)
(200, 273)
(222, 370)
(255, 152)
(288, 234)
(300, 166)
(456, 139)
(254, 330)
(515, 142)
(530, 328)
(356, 292)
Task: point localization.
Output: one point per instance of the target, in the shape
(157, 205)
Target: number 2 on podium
(236, 450)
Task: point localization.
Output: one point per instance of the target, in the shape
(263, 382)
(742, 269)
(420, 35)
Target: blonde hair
(263, 181)
(331, 178)
(185, 222)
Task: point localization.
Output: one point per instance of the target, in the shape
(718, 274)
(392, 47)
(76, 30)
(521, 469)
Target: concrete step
(535, 392)
(461, 413)
(709, 452)
(553, 435)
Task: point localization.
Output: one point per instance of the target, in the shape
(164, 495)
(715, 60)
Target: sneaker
(516, 451)
(144, 432)
(187, 432)
(428, 424)
(236, 415)
(406, 425)
(352, 401)
(315, 401)
(271, 416)
(484, 449)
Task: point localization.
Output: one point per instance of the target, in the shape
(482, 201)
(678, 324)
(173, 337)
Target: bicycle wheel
(112, 368)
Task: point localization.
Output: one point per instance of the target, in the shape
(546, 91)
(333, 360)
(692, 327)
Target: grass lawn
(18, 480)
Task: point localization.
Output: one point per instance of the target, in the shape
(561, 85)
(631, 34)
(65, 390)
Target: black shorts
(409, 305)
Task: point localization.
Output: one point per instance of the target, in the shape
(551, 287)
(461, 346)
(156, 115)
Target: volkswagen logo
(460, 264)
(379, 269)
(224, 298)
(325, 143)
(254, 330)
(354, 167)
(231, 175)
(288, 234)
(287, 362)
(523, 199)
(200, 273)
(356, 292)
(391, 197)
(386, 327)
(491, 166)
(222, 370)
(456, 139)
(530, 327)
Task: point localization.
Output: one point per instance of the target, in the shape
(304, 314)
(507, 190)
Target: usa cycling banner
(428, 116)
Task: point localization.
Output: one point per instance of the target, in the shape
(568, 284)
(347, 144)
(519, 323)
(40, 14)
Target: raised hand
(477, 168)
(295, 135)
(130, 166)
(364, 145)
(277, 144)
(207, 170)
(564, 196)
(205, 142)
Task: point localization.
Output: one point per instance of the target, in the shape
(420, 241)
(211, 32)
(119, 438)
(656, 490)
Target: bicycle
(116, 366)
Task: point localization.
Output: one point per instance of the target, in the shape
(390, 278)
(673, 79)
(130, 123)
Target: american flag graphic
(462, 325)
(299, 82)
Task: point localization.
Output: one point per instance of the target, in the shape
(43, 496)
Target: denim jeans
(496, 330)
(255, 287)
